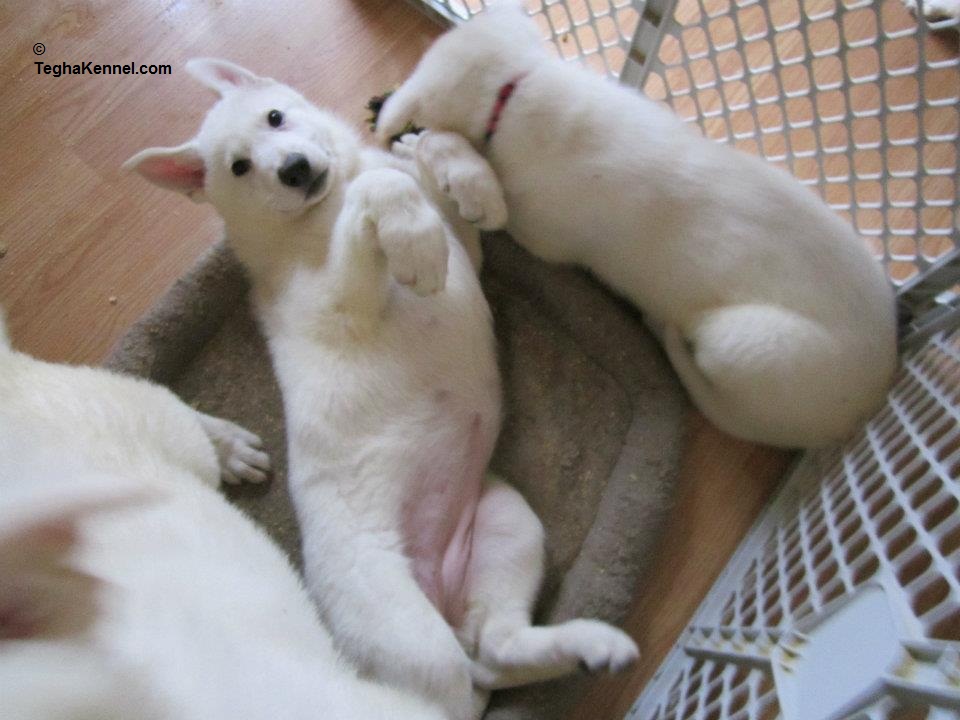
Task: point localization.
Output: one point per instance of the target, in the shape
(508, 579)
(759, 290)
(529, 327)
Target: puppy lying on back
(771, 310)
(130, 589)
(425, 567)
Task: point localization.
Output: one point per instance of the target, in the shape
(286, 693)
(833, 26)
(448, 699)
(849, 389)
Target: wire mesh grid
(883, 509)
(856, 98)
(598, 33)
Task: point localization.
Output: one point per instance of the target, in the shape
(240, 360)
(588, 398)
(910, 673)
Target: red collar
(503, 96)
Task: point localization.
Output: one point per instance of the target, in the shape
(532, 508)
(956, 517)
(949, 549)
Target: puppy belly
(439, 513)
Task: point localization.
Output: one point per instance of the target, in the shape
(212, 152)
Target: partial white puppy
(129, 587)
(425, 567)
(935, 10)
(779, 323)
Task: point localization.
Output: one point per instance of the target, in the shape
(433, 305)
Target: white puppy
(771, 310)
(129, 587)
(425, 567)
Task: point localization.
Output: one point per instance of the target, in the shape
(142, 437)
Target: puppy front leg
(239, 451)
(386, 226)
(450, 163)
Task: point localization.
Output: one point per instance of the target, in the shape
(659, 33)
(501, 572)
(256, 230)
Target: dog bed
(592, 433)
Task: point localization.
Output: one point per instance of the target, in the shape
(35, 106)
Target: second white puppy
(129, 587)
(777, 320)
(425, 567)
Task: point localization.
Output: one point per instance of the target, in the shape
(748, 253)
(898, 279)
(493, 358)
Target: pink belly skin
(439, 513)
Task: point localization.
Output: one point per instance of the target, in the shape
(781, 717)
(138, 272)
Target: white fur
(129, 587)
(382, 343)
(936, 9)
(771, 310)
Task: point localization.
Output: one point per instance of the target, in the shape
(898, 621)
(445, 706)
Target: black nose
(295, 171)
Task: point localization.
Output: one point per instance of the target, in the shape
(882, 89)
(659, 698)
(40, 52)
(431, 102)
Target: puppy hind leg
(505, 573)
(766, 374)
(503, 576)
(383, 622)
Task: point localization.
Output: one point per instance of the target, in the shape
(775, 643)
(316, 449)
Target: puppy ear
(400, 108)
(221, 75)
(42, 594)
(177, 168)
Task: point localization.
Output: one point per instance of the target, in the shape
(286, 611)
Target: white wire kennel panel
(856, 98)
(844, 600)
(598, 33)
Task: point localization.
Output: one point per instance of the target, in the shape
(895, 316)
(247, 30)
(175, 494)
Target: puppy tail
(698, 386)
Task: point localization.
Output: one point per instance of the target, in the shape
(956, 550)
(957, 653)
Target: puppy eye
(275, 118)
(240, 167)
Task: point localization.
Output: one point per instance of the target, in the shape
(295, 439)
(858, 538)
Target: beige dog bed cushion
(592, 431)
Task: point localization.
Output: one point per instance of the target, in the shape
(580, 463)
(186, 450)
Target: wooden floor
(87, 248)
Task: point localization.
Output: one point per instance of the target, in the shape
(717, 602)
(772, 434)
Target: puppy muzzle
(297, 172)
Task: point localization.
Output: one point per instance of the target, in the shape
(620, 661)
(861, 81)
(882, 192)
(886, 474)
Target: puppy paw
(239, 451)
(465, 177)
(599, 647)
(415, 245)
(406, 146)
(477, 195)
(409, 231)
